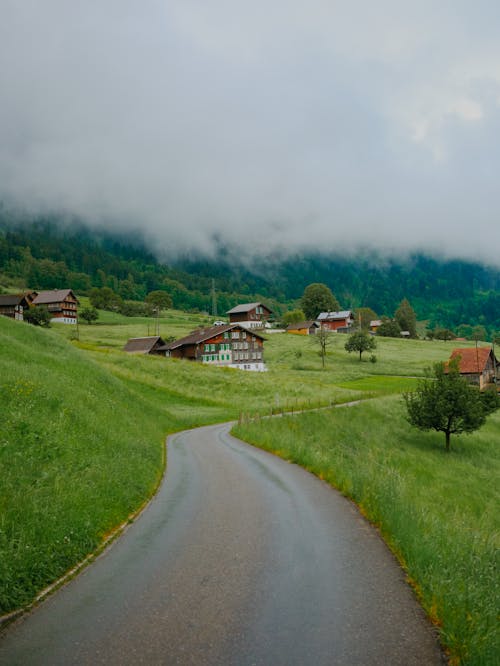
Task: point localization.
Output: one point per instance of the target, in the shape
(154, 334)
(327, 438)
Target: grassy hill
(82, 448)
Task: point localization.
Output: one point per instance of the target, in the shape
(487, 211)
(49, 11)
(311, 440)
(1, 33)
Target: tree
(389, 328)
(360, 342)
(105, 298)
(159, 299)
(89, 315)
(478, 333)
(38, 316)
(323, 338)
(406, 318)
(444, 334)
(365, 315)
(448, 403)
(293, 317)
(317, 297)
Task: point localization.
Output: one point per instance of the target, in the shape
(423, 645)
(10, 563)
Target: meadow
(82, 448)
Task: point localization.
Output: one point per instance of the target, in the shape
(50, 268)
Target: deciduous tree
(317, 297)
(360, 342)
(448, 403)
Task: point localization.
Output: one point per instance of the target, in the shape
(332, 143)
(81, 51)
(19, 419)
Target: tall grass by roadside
(438, 511)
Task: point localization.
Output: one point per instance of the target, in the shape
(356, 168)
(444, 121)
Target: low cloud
(278, 126)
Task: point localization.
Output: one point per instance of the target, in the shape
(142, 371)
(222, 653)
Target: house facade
(13, 306)
(61, 303)
(478, 365)
(303, 328)
(336, 321)
(250, 315)
(231, 345)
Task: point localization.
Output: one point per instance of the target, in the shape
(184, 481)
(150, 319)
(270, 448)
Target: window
(226, 335)
(207, 348)
(243, 334)
(212, 348)
(235, 335)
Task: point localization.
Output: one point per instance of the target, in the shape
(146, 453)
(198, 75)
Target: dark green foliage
(444, 334)
(360, 342)
(105, 298)
(38, 316)
(159, 299)
(448, 403)
(44, 253)
(406, 318)
(389, 328)
(317, 297)
(89, 315)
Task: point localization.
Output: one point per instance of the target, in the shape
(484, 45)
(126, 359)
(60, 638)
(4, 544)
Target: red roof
(472, 360)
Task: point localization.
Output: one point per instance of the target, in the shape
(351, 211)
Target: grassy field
(84, 424)
(438, 511)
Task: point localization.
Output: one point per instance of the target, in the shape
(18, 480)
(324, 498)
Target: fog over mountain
(276, 125)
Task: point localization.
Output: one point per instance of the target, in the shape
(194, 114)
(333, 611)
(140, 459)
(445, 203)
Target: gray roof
(246, 307)
(342, 314)
(302, 324)
(12, 299)
(202, 334)
(52, 296)
(143, 345)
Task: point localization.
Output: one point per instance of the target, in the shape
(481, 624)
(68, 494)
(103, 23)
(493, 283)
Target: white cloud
(274, 124)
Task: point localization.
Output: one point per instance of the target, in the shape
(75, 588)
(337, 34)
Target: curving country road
(240, 559)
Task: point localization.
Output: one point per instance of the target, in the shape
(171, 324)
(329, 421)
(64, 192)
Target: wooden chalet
(14, 305)
(375, 324)
(250, 315)
(231, 345)
(149, 345)
(478, 365)
(61, 303)
(303, 328)
(336, 321)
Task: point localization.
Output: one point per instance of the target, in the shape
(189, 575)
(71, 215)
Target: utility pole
(214, 299)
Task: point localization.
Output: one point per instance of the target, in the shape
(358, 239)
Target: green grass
(84, 424)
(438, 511)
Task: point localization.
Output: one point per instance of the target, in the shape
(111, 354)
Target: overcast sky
(276, 123)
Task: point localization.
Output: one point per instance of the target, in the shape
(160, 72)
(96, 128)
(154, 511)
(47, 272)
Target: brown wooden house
(231, 345)
(478, 365)
(61, 303)
(14, 305)
(152, 344)
(250, 315)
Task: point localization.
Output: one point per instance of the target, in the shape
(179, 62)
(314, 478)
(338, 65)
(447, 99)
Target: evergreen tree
(406, 318)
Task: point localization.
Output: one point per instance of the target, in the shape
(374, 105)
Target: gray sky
(276, 123)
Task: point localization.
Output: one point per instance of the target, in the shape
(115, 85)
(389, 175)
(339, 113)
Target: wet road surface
(240, 559)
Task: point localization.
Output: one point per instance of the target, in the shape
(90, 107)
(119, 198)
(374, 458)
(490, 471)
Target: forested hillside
(43, 254)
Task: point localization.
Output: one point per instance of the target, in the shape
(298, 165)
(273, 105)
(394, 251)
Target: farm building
(336, 321)
(303, 328)
(13, 305)
(250, 315)
(148, 345)
(230, 345)
(478, 365)
(61, 303)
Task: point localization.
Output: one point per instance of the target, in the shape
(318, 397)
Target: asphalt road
(240, 559)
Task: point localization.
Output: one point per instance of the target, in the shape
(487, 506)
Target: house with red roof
(478, 365)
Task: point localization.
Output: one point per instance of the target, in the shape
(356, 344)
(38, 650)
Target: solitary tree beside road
(448, 403)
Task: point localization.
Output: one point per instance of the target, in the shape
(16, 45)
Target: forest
(46, 253)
